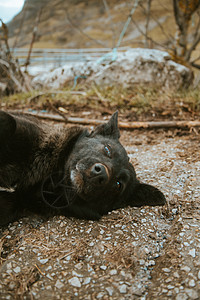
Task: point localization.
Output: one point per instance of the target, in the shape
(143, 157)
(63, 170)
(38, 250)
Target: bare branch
(148, 11)
(192, 48)
(82, 32)
(122, 125)
(195, 65)
(196, 59)
(111, 23)
(33, 37)
(168, 36)
(183, 11)
(148, 37)
(127, 23)
(5, 37)
(195, 41)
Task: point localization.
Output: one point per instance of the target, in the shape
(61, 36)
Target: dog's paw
(7, 209)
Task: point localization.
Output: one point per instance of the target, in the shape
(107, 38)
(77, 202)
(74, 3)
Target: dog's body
(68, 171)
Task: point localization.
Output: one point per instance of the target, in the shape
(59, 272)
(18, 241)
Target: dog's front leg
(81, 212)
(9, 209)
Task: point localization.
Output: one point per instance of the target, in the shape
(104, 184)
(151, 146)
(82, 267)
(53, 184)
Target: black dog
(66, 171)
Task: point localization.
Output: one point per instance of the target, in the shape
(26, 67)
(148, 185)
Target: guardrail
(58, 57)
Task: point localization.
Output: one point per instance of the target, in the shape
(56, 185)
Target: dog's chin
(84, 189)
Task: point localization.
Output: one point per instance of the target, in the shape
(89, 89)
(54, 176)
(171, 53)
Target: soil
(132, 253)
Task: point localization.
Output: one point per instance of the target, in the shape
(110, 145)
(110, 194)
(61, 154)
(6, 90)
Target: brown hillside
(86, 24)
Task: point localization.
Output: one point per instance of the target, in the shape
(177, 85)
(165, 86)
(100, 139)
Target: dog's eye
(107, 150)
(119, 185)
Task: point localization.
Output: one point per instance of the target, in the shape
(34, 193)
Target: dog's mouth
(58, 193)
(89, 179)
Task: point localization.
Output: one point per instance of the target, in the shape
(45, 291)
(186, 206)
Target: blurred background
(74, 24)
(38, 36)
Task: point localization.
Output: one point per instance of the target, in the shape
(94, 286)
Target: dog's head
(100, 171)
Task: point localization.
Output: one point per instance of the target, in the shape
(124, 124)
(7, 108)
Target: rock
(186, 269)
(77, 274)
(110, 290)
(170, 287)
(86, 280)
(191, 283)
(113, 272)
(192, 252)
(43, 261)
(103, 267)
(59, 284)
(151, 263)
(135, 66)
(166, 270)
(17, 270)
(192, 293)
(78, 266)
(75, 282)
(176, 275)
(100, 295)
(181, 296)
(12, 285)
(144, 66)
(122, 288)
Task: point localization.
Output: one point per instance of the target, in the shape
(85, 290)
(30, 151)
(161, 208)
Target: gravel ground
(132, 253)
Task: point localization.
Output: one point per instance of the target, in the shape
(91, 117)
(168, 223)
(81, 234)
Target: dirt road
(133, 253)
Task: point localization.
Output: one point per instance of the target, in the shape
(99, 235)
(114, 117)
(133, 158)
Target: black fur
(66, 171)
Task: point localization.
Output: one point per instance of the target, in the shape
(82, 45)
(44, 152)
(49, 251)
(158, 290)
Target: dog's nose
(99, 174)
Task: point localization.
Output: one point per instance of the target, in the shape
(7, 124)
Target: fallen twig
(39, 270)
(123, 125)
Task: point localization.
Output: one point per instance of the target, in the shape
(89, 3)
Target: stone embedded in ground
(75, 282)
(133, 67)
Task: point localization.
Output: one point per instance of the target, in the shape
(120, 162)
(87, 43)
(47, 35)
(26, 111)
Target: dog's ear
(145, 194)
(7, 126)
(109, 129)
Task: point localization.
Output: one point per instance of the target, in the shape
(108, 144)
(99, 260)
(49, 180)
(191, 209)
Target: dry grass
(144, 102)
(22, 282)
(122, 256)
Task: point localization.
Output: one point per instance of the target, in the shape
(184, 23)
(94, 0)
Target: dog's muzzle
(85, 180)
(99, 174)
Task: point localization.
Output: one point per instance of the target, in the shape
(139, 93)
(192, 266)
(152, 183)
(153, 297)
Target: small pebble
(113, 272)
(17, 270)
(181, 296)
(166, 270)
(191, 283)
(75, 282)
(192, 252)
(86, 280)
(43, 261)
(186, 269)
(122, 288)
(192, 294)
(109, 290)
(59, 284)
